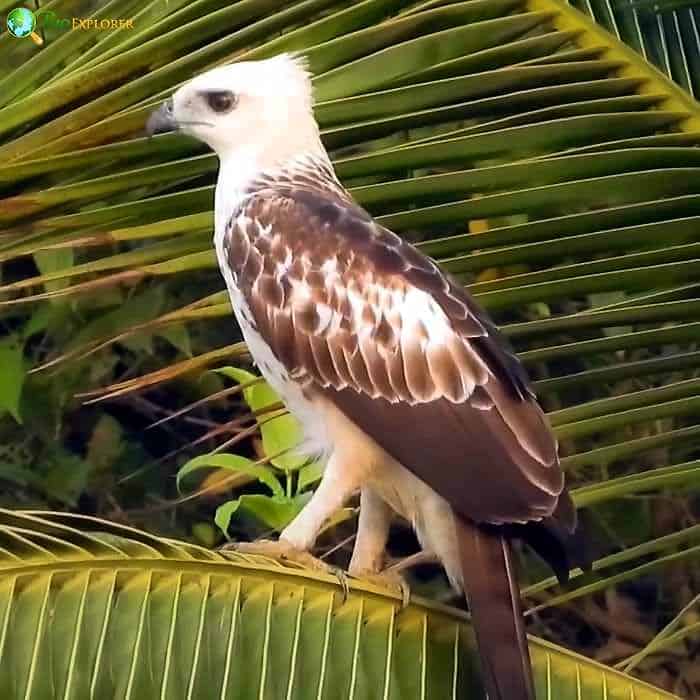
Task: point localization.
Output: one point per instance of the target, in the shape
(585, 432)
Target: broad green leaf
(275, 512)
(280, 435)
(233, 463)
(309, 475)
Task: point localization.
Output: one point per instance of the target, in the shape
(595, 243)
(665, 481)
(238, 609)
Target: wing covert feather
(361, 317)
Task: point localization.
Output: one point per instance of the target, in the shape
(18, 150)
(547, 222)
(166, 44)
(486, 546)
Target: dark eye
(221, 101)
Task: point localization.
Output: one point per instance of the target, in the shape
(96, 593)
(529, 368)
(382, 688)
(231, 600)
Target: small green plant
(288, 476)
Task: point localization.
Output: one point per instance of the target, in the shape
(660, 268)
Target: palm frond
(94, 609)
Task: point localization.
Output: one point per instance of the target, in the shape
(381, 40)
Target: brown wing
(365, 319)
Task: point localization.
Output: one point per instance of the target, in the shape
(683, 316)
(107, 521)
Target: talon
(343, 581)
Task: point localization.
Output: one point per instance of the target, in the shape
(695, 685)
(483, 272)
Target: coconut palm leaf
(545, 163)
(664, 32)
(93, 609)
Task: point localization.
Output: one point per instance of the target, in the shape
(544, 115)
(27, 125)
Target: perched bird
(398, 378)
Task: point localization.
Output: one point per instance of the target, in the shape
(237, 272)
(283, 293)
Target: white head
(253, 112)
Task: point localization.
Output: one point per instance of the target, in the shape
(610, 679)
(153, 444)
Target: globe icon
(21, 22)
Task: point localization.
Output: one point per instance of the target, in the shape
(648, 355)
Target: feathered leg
(372, 534)
(368, 554)
(298, 538)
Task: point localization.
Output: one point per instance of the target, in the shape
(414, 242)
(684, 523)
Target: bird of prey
(398, 378)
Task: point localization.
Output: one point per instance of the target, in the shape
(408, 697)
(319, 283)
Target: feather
(397, 344)
(494, 603)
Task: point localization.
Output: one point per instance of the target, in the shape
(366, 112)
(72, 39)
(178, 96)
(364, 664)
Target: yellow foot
(285, 552)
(279, 550)
(389, 579)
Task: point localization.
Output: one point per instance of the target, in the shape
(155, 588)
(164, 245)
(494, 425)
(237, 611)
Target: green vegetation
(546, 164)
(98, 610)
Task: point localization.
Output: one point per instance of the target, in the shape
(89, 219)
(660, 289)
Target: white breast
(316, 441)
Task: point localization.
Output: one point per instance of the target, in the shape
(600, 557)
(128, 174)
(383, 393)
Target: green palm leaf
(665, 32)
(93, 609)
(523, 119)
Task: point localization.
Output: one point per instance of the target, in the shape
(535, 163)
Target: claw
(343, 581)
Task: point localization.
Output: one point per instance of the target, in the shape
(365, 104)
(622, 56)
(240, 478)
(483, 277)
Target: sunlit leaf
(280, 435)
(233, 463)
(275, 512)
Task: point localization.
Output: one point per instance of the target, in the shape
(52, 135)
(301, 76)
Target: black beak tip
(161, 121)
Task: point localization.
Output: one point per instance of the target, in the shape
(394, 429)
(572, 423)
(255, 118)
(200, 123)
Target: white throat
(236, 171)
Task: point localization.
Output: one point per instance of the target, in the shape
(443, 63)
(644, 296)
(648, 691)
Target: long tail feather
(491, 587)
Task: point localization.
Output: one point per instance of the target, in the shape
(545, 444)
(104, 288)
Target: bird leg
(296, 540)
(372, 534)
(337, 485)
(367, 561)
(280, 550)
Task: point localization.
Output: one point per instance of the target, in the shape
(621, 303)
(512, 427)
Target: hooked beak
(162, 120)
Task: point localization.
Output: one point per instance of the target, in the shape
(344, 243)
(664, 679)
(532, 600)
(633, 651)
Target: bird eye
(221, 101)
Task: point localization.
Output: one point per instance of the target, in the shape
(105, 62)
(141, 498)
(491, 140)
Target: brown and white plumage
(360, 317)
(395, 373)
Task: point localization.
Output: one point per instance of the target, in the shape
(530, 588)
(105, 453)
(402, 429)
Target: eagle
(399, 379)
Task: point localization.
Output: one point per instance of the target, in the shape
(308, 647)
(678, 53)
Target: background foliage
(545, 164)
